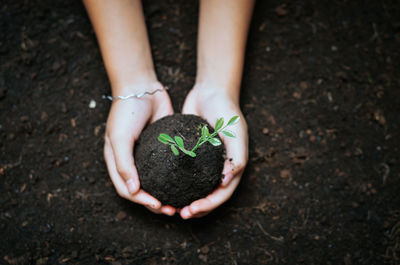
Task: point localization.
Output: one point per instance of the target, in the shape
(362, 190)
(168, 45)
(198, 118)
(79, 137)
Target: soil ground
(320, 94)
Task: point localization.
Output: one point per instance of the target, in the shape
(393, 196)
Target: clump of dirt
(178, 180)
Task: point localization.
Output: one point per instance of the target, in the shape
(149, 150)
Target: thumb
(189, 106)
(123, 153)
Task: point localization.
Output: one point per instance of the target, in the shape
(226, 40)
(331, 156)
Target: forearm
(223, 28)
(121, 32)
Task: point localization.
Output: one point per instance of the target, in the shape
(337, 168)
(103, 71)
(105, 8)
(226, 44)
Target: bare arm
(222, 38)
(223, 28)
(121, 32)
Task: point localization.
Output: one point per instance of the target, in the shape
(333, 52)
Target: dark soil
(178, 180)
(321, 97)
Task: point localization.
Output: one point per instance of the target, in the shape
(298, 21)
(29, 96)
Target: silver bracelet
(135, 95)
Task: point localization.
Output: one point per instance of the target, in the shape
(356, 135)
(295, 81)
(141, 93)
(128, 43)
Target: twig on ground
(279, 239)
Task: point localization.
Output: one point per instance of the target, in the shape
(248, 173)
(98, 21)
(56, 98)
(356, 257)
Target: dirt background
(321, 96)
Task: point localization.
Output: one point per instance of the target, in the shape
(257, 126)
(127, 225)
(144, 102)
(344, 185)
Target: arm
(121, 32)
(223, 28)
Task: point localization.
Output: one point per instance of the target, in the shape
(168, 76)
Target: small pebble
(203, 258)
(44, 116)
(97, 130)
(205, 249)
(92, 104)
(285, 173)
(303, 85)
(329, 95)
(74, 254)
(24, 118)
(296, 95)
(121, 216)
(42, 261)
(281, 11)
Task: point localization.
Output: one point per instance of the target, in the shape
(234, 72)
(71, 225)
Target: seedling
(177, 143)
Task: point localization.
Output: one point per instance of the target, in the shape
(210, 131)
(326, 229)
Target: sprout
(177, 143)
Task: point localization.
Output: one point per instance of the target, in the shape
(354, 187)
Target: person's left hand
(210, 104)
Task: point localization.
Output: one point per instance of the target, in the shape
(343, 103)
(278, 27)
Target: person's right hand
(126, 120)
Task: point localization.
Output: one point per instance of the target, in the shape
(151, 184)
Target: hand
(211, 103)
(126, 120)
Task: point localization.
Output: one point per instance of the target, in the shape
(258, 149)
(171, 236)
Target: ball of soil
(178, 180)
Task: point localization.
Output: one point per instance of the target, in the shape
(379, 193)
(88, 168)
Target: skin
(121, 32)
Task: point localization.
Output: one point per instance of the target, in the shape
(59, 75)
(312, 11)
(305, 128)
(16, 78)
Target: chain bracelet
(135, 95)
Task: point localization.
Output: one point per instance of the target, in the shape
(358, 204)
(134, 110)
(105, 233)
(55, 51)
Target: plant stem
(198, 144)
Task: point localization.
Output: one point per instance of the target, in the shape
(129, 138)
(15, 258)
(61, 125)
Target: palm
(211, 106)
(126, 121)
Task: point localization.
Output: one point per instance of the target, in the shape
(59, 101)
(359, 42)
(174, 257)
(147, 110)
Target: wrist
(136, 87)
(212, 89)
(226, 74)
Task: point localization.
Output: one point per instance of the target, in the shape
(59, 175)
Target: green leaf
(219, 124)
(233, 120)
(162, 140)
(214, 141)
(190, 153)
(204, 131)
(165, 138)
(179, 141)
(229, 134)
(174, 150)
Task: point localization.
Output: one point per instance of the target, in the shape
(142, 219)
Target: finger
(199, 215)
(156, 211)
(215, 199)
(141, 197)
(231, 170)
(185, 212)
(236, 153)
(167, 210)
(144, 198)
(163, 109)
(123, 155)
(203, 206)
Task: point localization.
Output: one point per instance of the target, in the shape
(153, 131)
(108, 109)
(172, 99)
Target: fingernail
(169, 212)
(131, 186)
(185, 213)
(226, 179)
